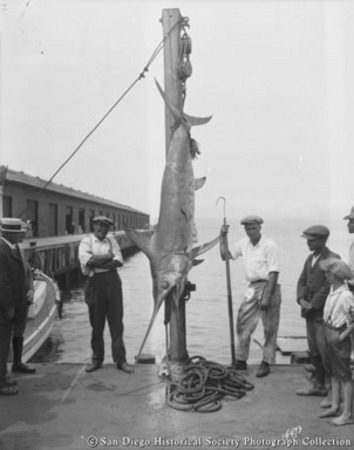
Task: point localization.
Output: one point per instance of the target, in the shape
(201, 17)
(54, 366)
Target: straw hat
(12, 225)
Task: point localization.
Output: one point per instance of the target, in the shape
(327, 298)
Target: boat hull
(41, 315)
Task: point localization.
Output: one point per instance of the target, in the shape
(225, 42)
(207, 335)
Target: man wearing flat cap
(262, 298)
(312, 291)
(16, 291)
(100, 257)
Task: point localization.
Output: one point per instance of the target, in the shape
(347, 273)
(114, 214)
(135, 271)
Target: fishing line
(155, 53)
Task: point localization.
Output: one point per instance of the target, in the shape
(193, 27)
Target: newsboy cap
(350, 215)
(252, 219)
(102, 219)
(337, 267)
(316, 231)
(12, 225)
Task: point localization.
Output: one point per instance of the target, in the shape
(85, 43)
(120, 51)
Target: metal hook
(222, 198)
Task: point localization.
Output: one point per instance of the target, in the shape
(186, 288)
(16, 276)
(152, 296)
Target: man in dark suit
(312, 292)
(13, 293)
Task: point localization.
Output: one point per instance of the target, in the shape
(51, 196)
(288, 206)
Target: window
(81, 221)
(92, 215)
(69, 220)
(53, 219)
(32, 215)
(6, 206)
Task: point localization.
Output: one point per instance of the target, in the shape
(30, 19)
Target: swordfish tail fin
(178, 114)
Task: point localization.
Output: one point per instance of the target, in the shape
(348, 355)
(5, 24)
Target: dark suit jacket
(13, 285)
(313, 286)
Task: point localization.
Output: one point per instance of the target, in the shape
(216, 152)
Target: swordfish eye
(165, 284)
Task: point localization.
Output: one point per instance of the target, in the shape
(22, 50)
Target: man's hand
(306, 305)
(30, 296)
(224, 230)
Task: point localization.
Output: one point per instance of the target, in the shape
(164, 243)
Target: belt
(340, 329)
(258, 281)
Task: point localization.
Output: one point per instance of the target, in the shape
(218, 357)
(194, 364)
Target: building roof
(36, 182)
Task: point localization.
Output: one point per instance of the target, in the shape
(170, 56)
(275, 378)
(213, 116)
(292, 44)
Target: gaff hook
(217, 201)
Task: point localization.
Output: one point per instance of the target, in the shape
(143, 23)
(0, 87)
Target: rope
(141, 75)
(204, 384)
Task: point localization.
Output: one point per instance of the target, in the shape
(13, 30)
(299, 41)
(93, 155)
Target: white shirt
(339, 307)
(351, 257)
(90, 246)
(258, 260)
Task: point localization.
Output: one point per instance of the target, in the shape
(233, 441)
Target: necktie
(17, 251)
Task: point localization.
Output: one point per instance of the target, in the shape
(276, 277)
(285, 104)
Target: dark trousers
(103, 295)
(315, 340)
(5, 340)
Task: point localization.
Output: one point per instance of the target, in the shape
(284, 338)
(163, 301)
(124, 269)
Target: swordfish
(170, 248)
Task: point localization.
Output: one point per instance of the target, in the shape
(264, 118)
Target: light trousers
(248, 317)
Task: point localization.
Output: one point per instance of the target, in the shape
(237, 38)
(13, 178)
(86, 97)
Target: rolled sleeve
(85, 253)
(272, 257)
(350, 307)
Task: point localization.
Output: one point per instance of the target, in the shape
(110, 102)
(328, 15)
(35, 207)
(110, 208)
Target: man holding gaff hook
(262, 298)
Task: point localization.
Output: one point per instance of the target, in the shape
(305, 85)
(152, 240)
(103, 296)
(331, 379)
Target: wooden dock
(63, 407)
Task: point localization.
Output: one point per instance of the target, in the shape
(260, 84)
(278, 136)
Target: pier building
(58, 217)
(59, 210)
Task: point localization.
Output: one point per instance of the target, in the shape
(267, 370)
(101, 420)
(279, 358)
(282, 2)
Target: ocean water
(207, 321)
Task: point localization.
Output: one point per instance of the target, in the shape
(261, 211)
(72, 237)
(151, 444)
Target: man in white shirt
(262, 298)
(100, 257)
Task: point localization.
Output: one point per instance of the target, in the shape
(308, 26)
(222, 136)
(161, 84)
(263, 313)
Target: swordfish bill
(170, 248)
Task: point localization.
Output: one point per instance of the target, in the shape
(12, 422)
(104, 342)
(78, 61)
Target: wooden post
(173, 90)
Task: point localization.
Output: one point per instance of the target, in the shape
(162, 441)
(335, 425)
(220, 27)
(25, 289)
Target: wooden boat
(41, 314)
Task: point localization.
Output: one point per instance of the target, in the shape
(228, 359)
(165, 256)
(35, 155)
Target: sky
(275, 75)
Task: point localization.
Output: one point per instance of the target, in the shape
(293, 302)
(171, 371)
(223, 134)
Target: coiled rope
(204, 384)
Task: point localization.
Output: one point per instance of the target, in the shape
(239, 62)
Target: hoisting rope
(141, 75)
(203, 384)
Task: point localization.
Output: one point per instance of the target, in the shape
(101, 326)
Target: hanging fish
(170, 248)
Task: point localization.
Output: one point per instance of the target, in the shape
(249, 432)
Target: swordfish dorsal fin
(199, 183)
(141, 240)
(204, 247)
(178, 114)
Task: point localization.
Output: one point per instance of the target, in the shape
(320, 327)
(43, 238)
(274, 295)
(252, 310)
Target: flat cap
(102, 219)
(252, 219)
(337, 267)
(316, 231)
(350, 215)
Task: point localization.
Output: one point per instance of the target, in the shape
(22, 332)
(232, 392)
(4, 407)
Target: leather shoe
(8, 390)
(22, 368)
(127, 368)
(240, 365)
(263, 370)
(313, 391)
(92, 367)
